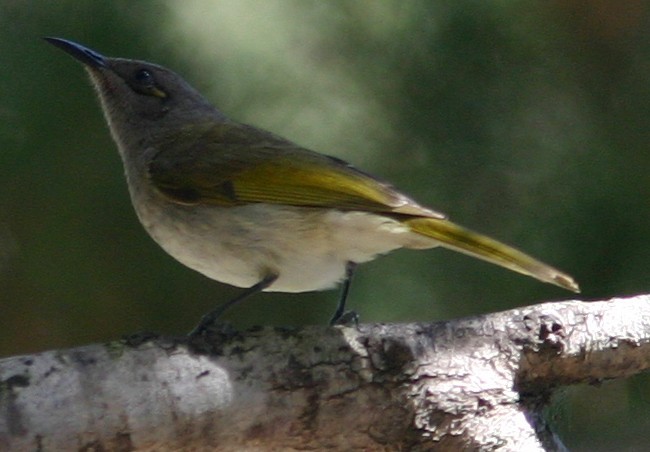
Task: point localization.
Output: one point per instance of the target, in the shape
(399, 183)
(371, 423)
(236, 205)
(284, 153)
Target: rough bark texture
(470, 384)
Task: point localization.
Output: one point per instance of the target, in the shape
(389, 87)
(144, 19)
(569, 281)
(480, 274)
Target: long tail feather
(465, 241)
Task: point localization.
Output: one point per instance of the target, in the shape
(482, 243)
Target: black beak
(85, 55)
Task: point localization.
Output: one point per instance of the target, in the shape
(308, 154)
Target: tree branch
(474, 383)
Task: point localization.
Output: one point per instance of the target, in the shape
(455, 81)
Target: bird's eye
(144, 77)
(144, 83)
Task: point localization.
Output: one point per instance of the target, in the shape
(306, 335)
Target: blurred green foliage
(525, 120)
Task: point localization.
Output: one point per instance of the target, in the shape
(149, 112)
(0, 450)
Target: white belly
(308, 248)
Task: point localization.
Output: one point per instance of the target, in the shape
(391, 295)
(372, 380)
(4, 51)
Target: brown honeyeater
(252, 209)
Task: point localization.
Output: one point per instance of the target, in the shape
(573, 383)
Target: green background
(528, 121)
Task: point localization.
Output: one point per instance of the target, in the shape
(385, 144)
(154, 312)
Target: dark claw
(348, 318)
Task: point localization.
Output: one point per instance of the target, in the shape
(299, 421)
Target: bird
(252, 209)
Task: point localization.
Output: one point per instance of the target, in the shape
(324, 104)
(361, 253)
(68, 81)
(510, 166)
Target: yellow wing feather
(220, 169)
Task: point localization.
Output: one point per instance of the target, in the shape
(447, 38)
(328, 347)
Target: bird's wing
(233, 164)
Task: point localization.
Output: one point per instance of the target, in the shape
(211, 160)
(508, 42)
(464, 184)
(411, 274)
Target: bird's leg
(340, 315)
(209, 318)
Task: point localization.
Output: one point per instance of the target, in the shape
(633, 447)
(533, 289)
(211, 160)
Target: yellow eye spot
(158, 92)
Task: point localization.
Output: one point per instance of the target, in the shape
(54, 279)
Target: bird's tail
(476, 245)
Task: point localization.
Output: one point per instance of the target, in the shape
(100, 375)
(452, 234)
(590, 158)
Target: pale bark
(471, 384)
